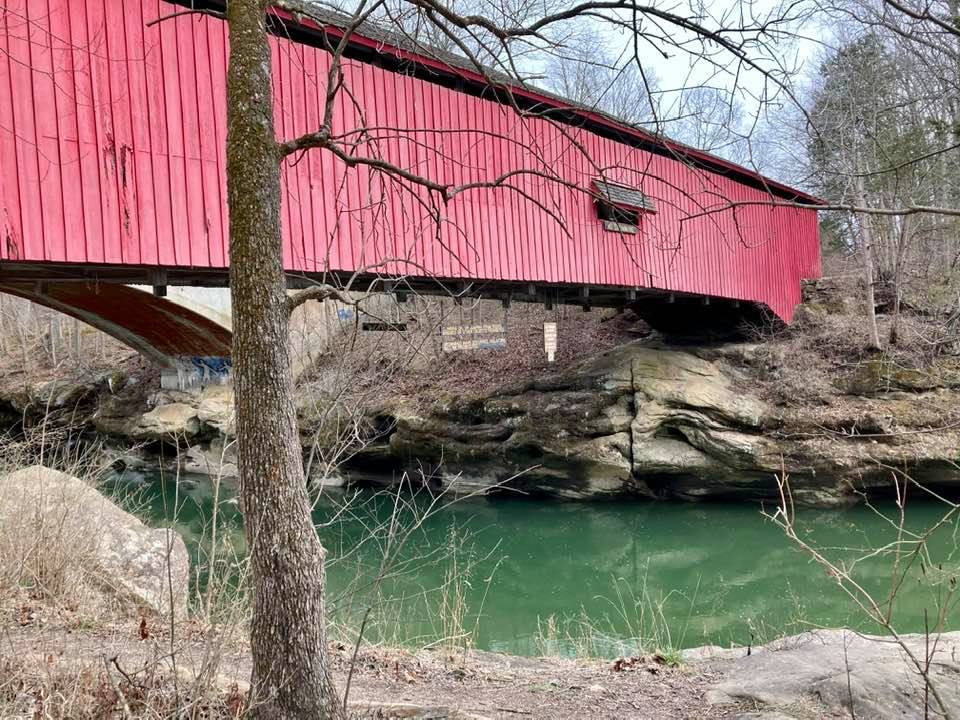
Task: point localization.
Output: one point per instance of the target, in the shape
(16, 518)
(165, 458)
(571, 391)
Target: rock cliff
(660, 422)
(639, 420)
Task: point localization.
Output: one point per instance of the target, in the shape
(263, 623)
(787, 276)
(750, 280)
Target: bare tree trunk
(77, 349)
(288, 634)
(54, 337)
(869, 299)
(4, 347)
(904, 239)
(866, 237)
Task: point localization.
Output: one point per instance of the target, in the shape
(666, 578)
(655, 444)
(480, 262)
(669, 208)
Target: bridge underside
(170, 334)
(155, 327)
(599, 296)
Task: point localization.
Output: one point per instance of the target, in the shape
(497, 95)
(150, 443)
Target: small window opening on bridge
(618, 219)
(620, 206)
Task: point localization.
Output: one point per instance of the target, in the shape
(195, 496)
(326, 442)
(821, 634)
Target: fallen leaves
(649, 663)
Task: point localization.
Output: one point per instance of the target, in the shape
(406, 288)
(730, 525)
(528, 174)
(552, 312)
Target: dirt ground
(38, 662)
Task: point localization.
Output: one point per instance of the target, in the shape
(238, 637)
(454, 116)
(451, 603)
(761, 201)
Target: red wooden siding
(112, 142)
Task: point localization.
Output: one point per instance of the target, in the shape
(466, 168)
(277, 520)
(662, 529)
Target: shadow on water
(673, 574)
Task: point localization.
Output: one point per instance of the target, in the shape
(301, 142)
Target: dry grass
(51, 583)
(48, 550)
(48, 555)
(74, 676)
(99, 689)
(807, 362)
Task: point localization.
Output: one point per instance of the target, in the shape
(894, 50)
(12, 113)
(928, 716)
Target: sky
(684, 63)
(792, 55)
(685, 69)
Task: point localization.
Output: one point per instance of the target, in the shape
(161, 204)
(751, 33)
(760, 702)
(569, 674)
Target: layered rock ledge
(640, 420)
(659, 422)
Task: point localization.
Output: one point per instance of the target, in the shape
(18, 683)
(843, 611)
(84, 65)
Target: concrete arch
(164, 331)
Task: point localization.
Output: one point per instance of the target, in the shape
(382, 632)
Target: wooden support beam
(159, 282)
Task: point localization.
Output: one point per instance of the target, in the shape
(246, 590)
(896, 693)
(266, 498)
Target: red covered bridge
(112, 171)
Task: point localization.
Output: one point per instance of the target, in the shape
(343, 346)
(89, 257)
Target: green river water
(534, 577)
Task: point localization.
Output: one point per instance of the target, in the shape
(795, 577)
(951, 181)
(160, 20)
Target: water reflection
(703, 574)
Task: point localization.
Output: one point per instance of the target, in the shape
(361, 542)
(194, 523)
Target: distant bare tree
(711, 119)
(585, 71)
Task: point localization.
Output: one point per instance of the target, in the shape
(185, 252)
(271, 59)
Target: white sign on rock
(550, 340)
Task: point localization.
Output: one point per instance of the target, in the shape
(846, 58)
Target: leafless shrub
(808, 361)
(47, 550)
(34, 338)
(48, 555)
(99, 687)
(909, 557)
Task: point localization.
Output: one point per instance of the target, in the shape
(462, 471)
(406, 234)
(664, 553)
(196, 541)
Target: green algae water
(539, 577)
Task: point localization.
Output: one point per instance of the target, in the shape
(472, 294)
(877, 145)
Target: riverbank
(86, 631)
(618, 417)
(53, 668)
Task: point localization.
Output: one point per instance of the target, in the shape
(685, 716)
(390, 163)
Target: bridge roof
(375, 41)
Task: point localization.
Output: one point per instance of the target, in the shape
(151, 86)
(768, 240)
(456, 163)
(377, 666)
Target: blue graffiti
(190, 372)
(213, 367)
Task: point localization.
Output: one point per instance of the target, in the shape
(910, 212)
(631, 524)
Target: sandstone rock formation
(641, 420)
(839, 673)
(658, 422)
(70, 534)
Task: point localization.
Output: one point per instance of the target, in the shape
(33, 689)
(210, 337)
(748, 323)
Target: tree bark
(866, 239)
(291, 676)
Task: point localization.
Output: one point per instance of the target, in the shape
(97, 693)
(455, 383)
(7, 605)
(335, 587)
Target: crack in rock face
(634, 421)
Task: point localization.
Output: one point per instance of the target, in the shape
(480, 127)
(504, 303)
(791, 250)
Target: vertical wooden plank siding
(112, 153)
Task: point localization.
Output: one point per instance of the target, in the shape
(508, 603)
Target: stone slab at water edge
(839, 674)
(66, 538)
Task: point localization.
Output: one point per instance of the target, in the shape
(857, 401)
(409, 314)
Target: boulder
(677, 379)
(62, 393)
(881, 375)
(215, 408)
(168, 421)
(95, 542)
(839, 673)
(218, 459)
